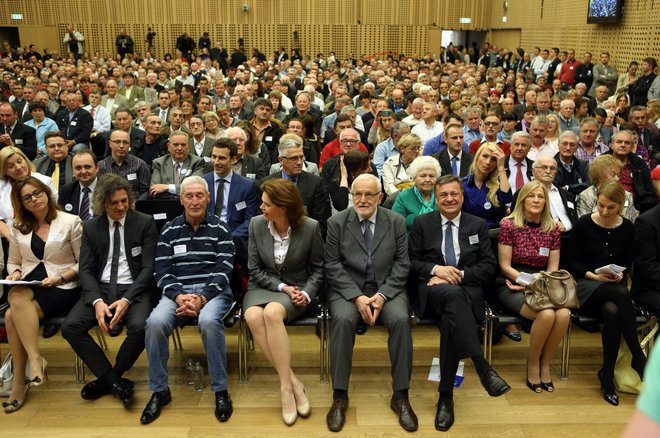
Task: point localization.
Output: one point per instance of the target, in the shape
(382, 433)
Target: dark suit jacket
(530, 175)
(25, 138)
(163, 170)
(314, 195)
(208, 147)
(80, 127)
(642, 183)
(476, 258)
(41, 165)
(577, 179)
(69, 194)
(651, 141)
(346, 255)
(646, 275)
(568, 200)
(254, 168)
(140, 238)
(445, 162)
(241, 204)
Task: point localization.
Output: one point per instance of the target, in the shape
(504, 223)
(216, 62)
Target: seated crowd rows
(371, 185)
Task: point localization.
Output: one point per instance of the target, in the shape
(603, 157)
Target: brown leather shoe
(336, 415)
(407, 417)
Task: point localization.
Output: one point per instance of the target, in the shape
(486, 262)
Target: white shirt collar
(371, 218)
(456, 220)
(112, 221)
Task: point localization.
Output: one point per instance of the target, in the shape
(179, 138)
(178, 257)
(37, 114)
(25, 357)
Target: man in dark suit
(169, 171)
(163, 108)
(15, 133)
(57, 164)
(572, 173)
(645, 137)
(76, 123)
(646, 275)
(117, 285)
(453, 160)
(450, 267)
(366, 265)
(311, 187)
(76, 197)
(200, 144)
(124, 122)
(518, 166)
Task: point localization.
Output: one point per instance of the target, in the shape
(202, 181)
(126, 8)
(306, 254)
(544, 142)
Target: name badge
(268, 138)
(474, 239)
(487, 205)
(116, 105)
(74, 123)
(184, 171)
(570, 205)
(160, 216)
(136, 251)
(240, 206)
(131, 176)
(545, 252)
(18, 141)
(625, 204)
(179, 249)
(56, 238)
(68, 207)
(251, 175)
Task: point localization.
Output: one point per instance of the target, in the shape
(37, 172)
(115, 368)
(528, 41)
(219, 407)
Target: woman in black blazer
(285, 259)
(600, 239)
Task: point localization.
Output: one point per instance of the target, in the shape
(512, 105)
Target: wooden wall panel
(345, 26)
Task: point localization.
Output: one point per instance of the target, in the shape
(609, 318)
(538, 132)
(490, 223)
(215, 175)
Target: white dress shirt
(513, 167)
(557, 209)
(124, 273)
(225, 192)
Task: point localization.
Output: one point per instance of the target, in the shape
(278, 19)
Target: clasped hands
(189, 304)
(297, 297)
(369, 307)
(104, 311)
(445, 275)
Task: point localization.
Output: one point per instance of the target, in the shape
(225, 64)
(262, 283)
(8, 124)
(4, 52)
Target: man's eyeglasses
(367, 195)
(349, 141)
(296, 158)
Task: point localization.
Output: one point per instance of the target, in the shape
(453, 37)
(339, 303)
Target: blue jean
(160, 325)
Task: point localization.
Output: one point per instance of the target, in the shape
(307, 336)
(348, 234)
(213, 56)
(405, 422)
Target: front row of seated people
(108, 270)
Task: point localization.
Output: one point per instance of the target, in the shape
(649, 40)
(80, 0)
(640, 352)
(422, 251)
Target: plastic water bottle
(190, 372)
(199, 377)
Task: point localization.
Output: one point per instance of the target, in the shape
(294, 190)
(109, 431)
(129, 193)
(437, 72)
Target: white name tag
(131, 176)
(268, 138)
(56, 238)
(625, 204)
(240, 206)
(160, 216)
(474, 239)
(179, 249)
(545, 252)
(570, 205)
(251, 175)
(18, 141)
(74, 123)
(136, 251)
(116, 105)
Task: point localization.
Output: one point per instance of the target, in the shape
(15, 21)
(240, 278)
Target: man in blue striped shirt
(194, 260)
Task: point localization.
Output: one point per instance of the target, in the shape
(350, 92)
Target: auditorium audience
(44, 245)
(286, 272)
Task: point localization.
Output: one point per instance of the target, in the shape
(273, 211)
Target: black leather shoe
(123, 390)
(494, 384)
(336, 417)
(444, 417)
(157, 402)
(50, 331)
(223, 406)
(361, 328)
(407, 417)
(116, 330)
(94, 389)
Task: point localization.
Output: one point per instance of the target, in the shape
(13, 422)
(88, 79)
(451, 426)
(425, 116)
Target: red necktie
(520, 181)
(92, 112)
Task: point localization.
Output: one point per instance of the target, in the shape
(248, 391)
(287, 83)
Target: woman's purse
(552, 290)
(626, 378)
(6, 375)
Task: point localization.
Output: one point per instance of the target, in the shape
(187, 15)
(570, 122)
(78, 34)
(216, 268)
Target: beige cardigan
(62, 251)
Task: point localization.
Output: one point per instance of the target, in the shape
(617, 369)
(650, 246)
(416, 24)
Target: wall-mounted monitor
(604, 11)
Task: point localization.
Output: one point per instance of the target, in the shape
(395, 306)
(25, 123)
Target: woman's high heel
(536, 387)
(289, 417)
(40, 380)
(548, 386)
(304, 407)
(14, 405)
(610, 397)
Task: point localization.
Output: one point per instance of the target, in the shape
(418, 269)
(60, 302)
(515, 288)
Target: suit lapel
(294, 243)
(353, 226)
(269, 243)
(104, 242)
(465, 166)
(382, 228)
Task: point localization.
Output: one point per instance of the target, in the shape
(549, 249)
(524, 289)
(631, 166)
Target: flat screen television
(604, 11)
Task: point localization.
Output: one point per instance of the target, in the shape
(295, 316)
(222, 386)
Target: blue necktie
(454, 167)
(450, 255)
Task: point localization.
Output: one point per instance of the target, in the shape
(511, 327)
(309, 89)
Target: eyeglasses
(349, 141)
(296, 158)
(413, 148)
(34, 195)
(491, 123)
(547, 167)
(367, 195)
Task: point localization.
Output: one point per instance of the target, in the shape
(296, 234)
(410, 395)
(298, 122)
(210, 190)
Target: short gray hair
(568, 133)
(521, 134)
(289, 141)
(423, 163)
(370, 177)
(195, 179)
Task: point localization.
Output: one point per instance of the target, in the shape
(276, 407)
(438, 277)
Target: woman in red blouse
(529, 242)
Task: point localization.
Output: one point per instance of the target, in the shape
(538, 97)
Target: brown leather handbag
(552, 290)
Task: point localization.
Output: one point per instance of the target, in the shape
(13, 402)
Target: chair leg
(485, 338)
(101, 338)
(176, 339)
(565, 353)
(325, 342)
(79, 368)
(242, 350)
